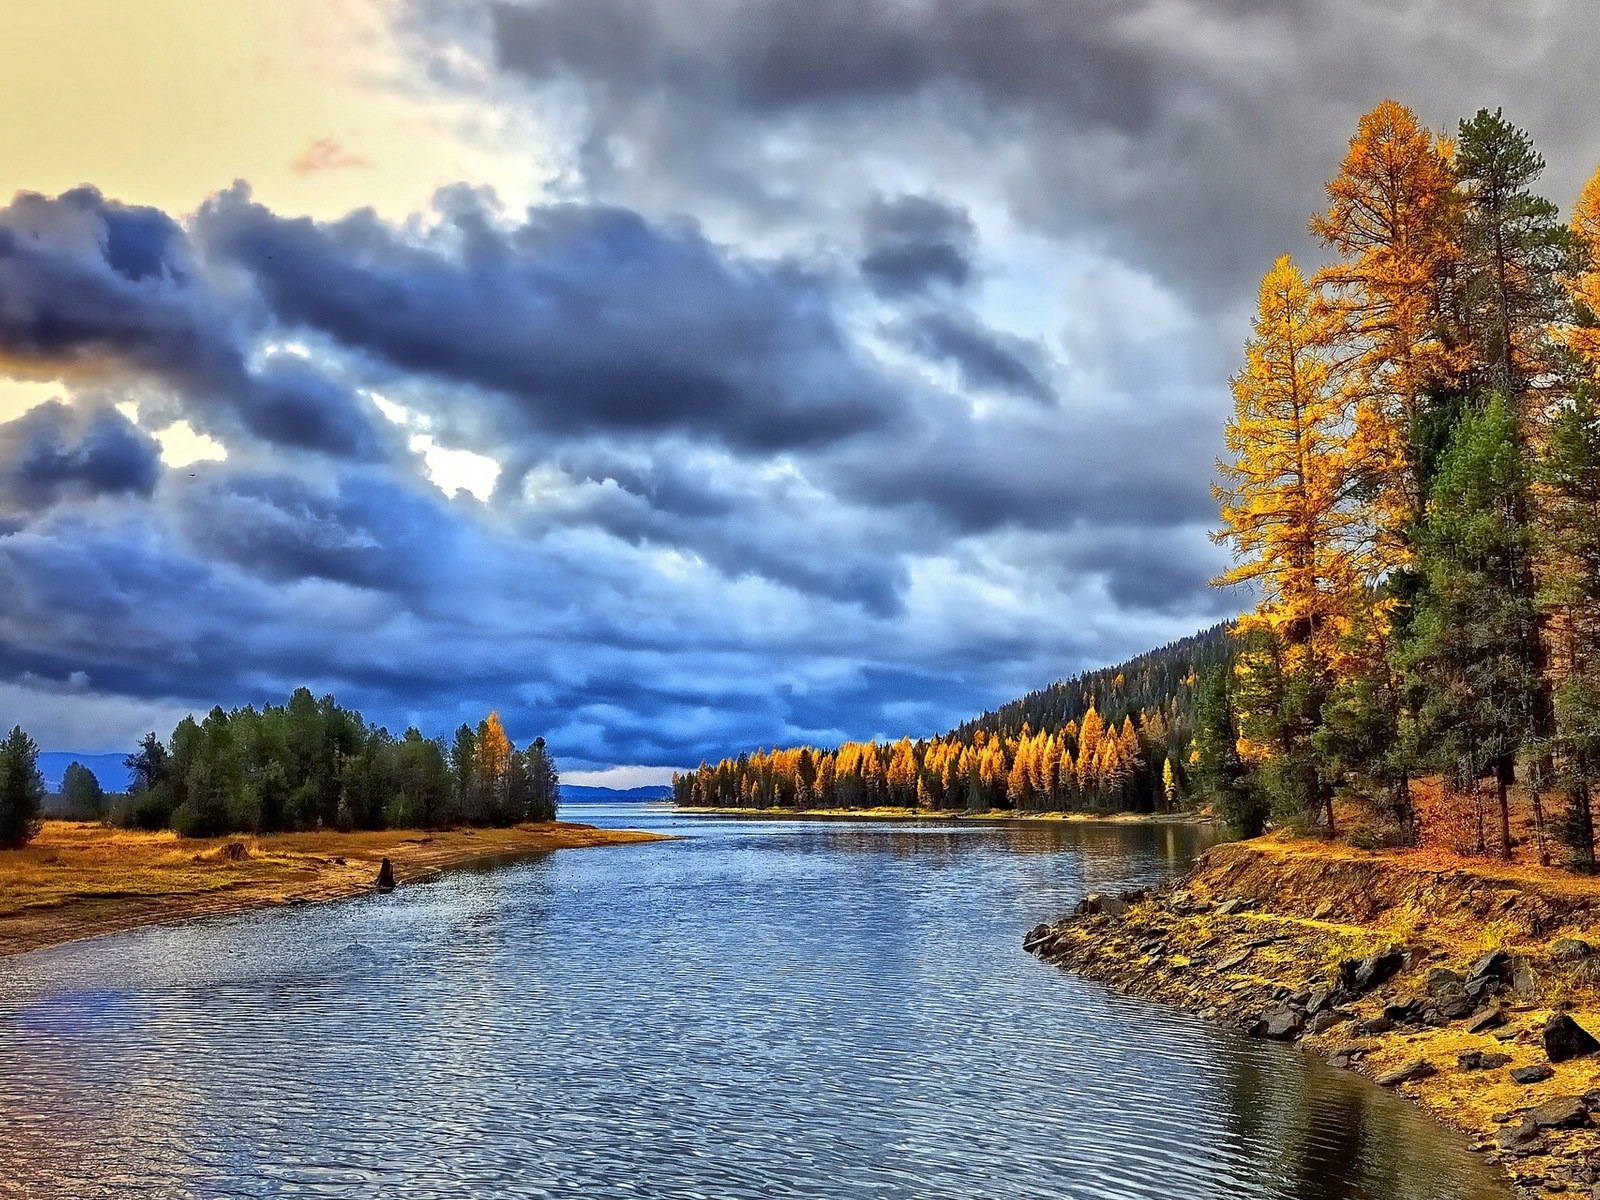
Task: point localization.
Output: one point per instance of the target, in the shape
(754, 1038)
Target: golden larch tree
(1583, 336)
(1393, 218)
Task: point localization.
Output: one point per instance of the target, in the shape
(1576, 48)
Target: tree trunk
(1502, 780)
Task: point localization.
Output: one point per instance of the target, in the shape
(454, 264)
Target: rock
(1403, 1009)
(1285, 1024)
(1443, 981)
(1518, 1137)
(1537, 1073)
(1566, 950)
(1494, 965)
(1523, 981)
(1097, 904)
(1318, 999)
(1481, 987)
(1481, 1060)
(1034, 936)
(1323, 911)
(1326, 1020)
(1373, 1026)
(1485, 1019)
(1417, 1069)
(1229, 908)
(1363, 974)
(1233, 960)
(1453, 1006)
(1564, 1112)
(385, 880)
(1564, 1038)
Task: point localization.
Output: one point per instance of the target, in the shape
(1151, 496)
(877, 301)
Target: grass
(79, 880)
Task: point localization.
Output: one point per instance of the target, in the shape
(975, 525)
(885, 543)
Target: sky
(672, 376)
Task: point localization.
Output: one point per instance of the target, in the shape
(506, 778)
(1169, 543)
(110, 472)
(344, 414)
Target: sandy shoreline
(79, 880)
(915, 814)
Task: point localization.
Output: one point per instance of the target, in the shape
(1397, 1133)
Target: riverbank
(79, 880)
(1467, 986)
(890, 813)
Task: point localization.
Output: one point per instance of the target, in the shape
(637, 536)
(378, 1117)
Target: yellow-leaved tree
(1393, 217)
(1583, 336)
(1290, 513)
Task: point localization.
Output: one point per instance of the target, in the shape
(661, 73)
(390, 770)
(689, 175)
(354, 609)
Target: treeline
(308, 764)
(1413, 489)
(1113, 740)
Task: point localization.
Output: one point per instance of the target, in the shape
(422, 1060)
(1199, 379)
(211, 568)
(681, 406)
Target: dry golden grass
(80, 880)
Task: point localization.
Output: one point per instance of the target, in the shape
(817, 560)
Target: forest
(1112, 740)
(1412, 491)
(307, 764)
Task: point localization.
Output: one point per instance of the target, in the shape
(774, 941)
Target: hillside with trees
(1112, 740)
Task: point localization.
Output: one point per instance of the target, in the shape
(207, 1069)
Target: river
(764, 1009)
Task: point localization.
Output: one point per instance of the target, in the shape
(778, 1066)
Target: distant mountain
(572, 793)
(107, 768)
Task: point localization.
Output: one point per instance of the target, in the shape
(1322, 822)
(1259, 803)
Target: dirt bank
(1462, 985)
(79, 880)
(941, 814)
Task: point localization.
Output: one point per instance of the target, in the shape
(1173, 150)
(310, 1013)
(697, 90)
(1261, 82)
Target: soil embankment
(992, 816)
(1471, 989)
(78, 880)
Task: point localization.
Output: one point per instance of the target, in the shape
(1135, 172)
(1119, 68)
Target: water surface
(766, 1009)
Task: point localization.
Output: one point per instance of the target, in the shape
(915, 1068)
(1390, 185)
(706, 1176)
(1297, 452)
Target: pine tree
(21, 790)
(1476, 651)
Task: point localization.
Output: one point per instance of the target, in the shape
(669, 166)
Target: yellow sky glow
(165, 101)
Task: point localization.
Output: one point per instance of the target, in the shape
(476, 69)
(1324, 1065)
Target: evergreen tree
(21, 790)
(1476, 651)
(1220, 774)
(81, 792)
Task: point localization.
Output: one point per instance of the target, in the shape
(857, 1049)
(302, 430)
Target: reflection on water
(765, 1009)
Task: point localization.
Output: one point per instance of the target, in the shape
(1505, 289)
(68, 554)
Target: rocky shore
(1476, 995)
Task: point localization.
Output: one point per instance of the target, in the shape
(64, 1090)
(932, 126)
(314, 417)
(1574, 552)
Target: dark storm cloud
(53, 452)
(982, 358)
(910, 242)
(587, 317)
(367, 530)
(1189, 137)
(90, 288)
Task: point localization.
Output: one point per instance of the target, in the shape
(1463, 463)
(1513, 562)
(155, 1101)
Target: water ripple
(762, 1010)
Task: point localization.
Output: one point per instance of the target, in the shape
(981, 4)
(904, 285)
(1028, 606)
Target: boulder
(1034, 936)
(1568, 950)
(1419, 1068)
(1537, 1073)
(1494, 965)
(1285, 1024)
(1519, 1137)
(1363, 974)
(1523, 981)
(1373, 1026)
(1481, 1060)
(1406, 1010)
(1326, 1020)
(1485, 1019)
(385, 880)
(1442, 981)
(1564, 1038)
(1564, 1112)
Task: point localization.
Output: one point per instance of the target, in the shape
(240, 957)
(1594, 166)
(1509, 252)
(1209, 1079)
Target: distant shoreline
(78, 880)
(916, 814)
